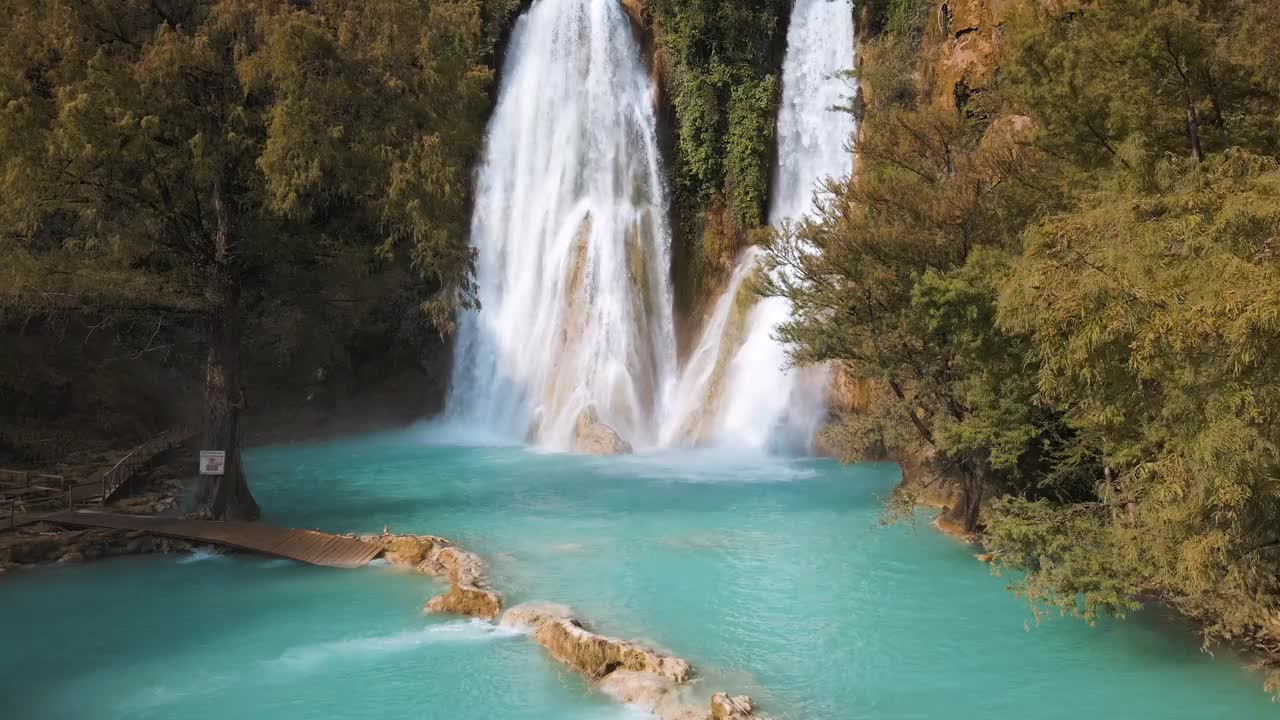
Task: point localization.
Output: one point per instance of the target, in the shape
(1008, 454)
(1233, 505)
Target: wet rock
(724, 707)
(469, 592)
(531, 616)
(467, 600)
(568, 640)
(468, 589)
(409, 549)
(591, 436)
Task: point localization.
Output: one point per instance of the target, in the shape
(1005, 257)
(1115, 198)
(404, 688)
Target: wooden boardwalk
(306, 546)
(34, 492)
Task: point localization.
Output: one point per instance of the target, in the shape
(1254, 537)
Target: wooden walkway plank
(306, 546)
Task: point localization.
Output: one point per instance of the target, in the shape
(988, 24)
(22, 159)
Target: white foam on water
(708, 465)
(461, 632)
(202, 554)
(455, 431)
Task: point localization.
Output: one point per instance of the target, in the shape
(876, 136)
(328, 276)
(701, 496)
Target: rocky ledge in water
(629, 672)
(42, 543)
(469, 592)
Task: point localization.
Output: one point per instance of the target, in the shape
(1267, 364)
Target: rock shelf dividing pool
(469, 592)
(626, 671)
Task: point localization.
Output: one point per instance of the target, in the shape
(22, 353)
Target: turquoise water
(773, 577)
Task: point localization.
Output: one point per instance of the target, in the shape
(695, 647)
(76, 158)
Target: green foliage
(896, 18)
(324, 126)
(1171, 75)
(1156, 320)
(721, 62)
(1077, 305)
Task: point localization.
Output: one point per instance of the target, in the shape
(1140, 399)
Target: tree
(893, 279)
(1154, 314)
(199, 144)
(1172, 72)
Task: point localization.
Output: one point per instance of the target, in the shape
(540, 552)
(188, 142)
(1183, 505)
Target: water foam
(764, 402)
(202, 554)
(461, 632)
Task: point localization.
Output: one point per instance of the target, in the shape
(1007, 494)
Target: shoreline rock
(46, 544)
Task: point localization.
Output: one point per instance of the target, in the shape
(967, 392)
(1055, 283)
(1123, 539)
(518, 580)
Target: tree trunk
(225, 497)
(971, 492)
(1193, 132)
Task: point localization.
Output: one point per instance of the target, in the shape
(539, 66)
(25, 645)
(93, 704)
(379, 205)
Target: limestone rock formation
(652, 693)
(42, 543)
(724, 707)
(591, 436)
(531, 616)
(568, 640)
(629, 672)
(469, 592)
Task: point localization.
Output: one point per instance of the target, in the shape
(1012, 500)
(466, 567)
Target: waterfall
(764, 403)
(574, 248)
(570, 226)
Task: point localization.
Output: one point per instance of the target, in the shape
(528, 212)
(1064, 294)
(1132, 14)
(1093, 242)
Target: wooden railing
(23, 488)
(124, 470)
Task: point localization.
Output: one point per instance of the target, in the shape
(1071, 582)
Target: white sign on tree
(213, 462)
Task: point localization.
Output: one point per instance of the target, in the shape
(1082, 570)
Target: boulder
(724, 707)
(591, 436)
(651, 693)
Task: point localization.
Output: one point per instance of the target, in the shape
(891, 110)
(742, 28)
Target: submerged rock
(652, 693)
(591, 436)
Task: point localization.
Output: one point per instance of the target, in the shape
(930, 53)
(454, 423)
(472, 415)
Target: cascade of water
(764, 403)
(693, 413)
(570, 225)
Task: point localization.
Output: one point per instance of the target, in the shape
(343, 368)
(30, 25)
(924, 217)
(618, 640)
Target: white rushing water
(763, 402)
(574, 247)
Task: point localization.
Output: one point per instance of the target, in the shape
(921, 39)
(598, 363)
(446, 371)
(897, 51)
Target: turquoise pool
(774, 577)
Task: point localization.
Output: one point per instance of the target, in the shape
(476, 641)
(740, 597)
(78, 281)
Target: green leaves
(359, 119)
(1076, 304)
(721, 61)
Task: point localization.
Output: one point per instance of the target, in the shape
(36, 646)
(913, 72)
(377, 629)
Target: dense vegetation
(227, 159)
(1066, 289)
(722, 67)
